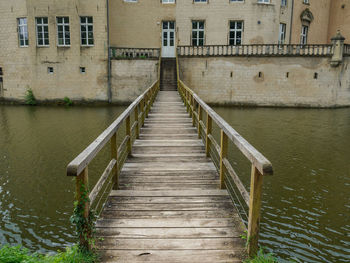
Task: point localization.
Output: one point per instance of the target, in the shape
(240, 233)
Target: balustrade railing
(134, 53)
(256, 50)
(346, 50)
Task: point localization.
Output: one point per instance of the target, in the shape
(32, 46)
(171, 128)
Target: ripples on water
(306, 203)
(36, 144)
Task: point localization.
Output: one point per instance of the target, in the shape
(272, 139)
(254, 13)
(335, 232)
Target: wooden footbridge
(169, 192)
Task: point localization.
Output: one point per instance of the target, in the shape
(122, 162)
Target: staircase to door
(168, 78)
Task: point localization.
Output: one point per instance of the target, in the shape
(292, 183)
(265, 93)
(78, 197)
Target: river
(306, 203)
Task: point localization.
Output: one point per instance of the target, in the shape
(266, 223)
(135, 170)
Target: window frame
(235, 30)
(63, 24)
(87, 24)
(282, 33)
(42, 25)
(166, 2)
(265, 2)
(21, 33)
(198, 30)
(304, 35)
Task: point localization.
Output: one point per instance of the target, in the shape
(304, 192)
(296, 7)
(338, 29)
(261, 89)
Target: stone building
(140, 23)
(56, 48)
(317, 21)
(60, 48)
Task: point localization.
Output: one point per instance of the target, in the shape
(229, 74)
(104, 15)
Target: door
(168, 39)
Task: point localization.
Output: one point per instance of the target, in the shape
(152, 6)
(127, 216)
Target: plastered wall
(274, 81)
(130, 78)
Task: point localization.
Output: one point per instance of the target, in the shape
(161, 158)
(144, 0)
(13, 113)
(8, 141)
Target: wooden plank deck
(169, 206)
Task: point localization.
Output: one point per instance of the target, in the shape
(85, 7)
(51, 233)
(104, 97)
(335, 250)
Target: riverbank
(103, 103)
(74, 255)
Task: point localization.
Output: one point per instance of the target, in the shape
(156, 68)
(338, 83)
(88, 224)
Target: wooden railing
(260, 166)
(346, 50)
(256, 50)
(132, 119)
(134, 53)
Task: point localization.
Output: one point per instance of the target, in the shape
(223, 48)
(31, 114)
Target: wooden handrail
(260, 165)
(76, 166)
(255, 157)
(109, 179)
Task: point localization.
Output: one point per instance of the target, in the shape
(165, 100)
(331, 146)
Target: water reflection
(36, 144)
(306, 211)
(306, 206)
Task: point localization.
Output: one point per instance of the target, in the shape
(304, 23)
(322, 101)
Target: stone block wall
(27, 67)
(268, 81)
(130, 78)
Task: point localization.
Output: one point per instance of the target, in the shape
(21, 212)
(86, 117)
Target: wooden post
(128, 133)
(193, 109)
(254, 211)
(114, 155)
(143, 112)
(137, 122)
(199, 120)
(82, 195)
(223, 154)
(208, 132)
(186, 99)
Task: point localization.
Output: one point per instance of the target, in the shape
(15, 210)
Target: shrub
(30, 98)
(67, 101)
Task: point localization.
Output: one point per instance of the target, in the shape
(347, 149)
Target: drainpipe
(291, 23)
(109, 87)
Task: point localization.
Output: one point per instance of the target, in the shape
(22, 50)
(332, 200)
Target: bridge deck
(169, 207)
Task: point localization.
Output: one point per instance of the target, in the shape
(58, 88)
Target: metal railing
(256, 50)
(229, 178)
(134, 53)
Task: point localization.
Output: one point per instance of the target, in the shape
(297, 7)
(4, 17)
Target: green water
(306, 203)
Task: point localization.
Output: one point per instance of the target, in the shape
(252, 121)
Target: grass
(22, 255)
(262, 258)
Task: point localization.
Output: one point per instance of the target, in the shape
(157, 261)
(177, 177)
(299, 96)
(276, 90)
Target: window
(284, 3)
(282, 34)
(236, 29)
(42, 31)
(132, 1)
(236, 0)
(303, 36)
(203, 1)
(197, 33)
(87, 31)
(63, 32)
(264, 1)
(168, 1)
(306, 2)
(22, 32)
(82, 70)
(50, 70)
